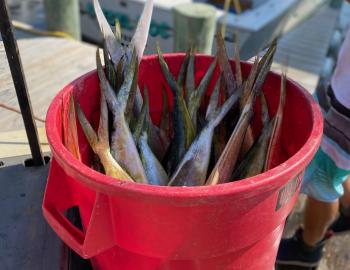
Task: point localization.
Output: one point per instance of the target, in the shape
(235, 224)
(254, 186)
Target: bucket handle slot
(99, 233)
(97, 237)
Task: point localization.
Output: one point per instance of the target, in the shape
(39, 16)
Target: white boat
(266, 20)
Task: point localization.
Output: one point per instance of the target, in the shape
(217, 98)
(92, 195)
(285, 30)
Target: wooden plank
(20, 84)
(49, 65)
(15, 143)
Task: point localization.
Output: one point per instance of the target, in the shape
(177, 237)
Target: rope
(30, 29)
(6, 107)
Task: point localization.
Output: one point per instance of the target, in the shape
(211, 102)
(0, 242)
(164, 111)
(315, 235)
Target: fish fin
(264, 110)
(89, 132)
(129, 112)
(190, 80)
(277, 129)
(139, 39)
(237, 56)
(119, 74)
(225, 64)
(109, 68)
(141, 120)
(249, 83)
(189, 128)
(203, 86)
(196, 97)
(115, 49)
(225, 108)
(253, 162)
(107, 89)
(214, 100)
(264, 66)
(182, 74)
(167, 74)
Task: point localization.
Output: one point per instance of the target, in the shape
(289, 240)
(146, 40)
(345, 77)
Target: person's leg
(342, 223)
(318, 217)
(323, 184)
(345, 199)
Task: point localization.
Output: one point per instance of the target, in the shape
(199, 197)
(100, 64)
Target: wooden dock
(49, 65)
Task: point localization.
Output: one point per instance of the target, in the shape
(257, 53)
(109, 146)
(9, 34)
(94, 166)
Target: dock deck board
(26, 241)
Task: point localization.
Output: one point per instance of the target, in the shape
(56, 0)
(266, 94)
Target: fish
(195, 96)
(230, 82)
(155, 172)
(113, 40)
(118, 51)
(277, 127)
(227, 161)
(192, 170)
(70, 132)
(259, 73)
(225, 166)
(254, 161)
(100, 142)
(123, 147)
(184, 132)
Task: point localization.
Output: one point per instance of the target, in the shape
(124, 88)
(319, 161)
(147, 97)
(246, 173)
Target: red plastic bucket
(129, 226)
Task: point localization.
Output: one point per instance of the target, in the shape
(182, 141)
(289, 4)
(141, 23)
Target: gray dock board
(26, 241)
(306, 46)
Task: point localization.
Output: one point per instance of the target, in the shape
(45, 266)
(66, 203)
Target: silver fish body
(155, 172)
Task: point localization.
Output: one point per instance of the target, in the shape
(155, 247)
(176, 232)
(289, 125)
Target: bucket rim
(106, 184)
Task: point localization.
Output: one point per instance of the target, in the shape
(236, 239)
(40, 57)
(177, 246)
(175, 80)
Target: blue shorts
(331, 165)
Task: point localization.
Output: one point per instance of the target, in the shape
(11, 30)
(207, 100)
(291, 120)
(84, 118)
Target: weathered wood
(19, 81)
(50, 64)
(63, 16)
(195, 25)
(15, 143)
